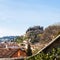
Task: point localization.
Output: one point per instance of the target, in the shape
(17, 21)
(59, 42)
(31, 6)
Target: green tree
(29, 51)
(19, 39)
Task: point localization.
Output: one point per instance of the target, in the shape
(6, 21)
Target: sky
(16, 16)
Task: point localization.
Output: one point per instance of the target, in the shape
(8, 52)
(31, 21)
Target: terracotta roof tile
(7, 52)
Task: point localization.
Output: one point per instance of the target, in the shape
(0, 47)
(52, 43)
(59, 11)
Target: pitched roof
(8, 52)
(53, 40)
(50, 43)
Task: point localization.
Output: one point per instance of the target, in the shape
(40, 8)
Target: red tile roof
(7, 52)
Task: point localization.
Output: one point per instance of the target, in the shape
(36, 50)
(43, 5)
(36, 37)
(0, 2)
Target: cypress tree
(29, 51)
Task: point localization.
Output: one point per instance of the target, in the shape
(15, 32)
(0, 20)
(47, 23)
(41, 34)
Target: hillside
(33, 33)
(38, 34)
(39, 37)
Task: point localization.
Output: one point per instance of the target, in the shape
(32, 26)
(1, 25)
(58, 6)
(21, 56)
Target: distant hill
(8, 38)
(36, 34)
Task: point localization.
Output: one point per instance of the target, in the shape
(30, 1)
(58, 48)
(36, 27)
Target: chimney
(6, 46)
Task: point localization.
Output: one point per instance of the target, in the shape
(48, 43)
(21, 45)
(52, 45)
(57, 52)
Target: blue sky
(18, 15)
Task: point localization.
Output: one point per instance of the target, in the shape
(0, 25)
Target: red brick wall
(19, 53)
